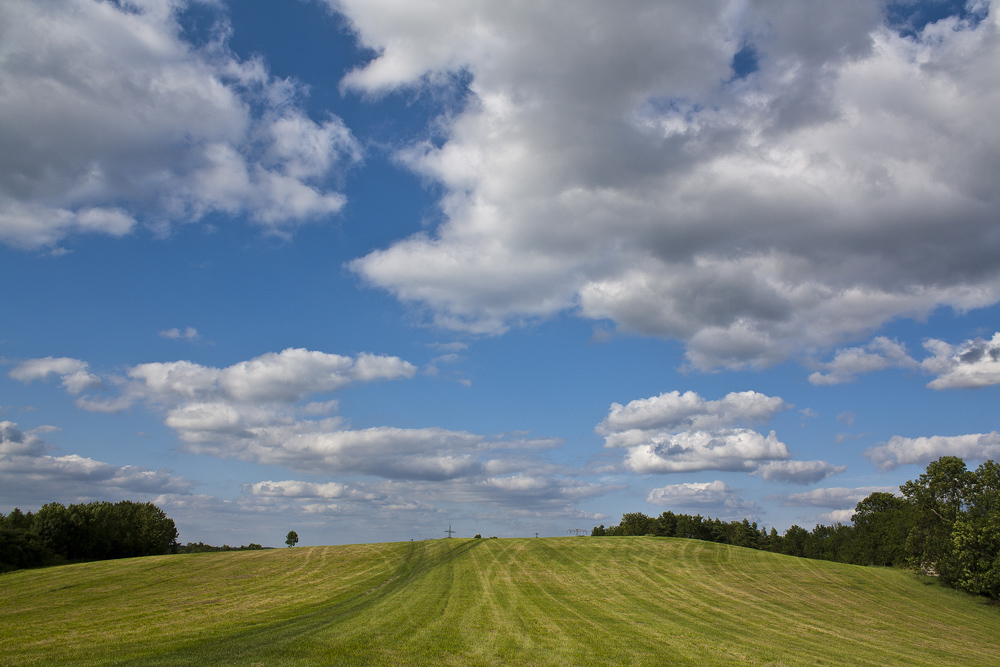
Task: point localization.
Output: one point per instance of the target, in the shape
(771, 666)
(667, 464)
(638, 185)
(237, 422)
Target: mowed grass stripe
(600, 601)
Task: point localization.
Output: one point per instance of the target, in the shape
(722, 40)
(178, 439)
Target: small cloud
(465, 382)
(712, 496)
(797, 472)
(970, 365)
(75, 374)
(847, 418)
(601, 335)
(189, 333)
(835, 498)
(837, 516)
(448, 347)
(449, 358)
(877, 355)
(809, 412)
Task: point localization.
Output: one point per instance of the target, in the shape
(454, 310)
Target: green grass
(572, 601)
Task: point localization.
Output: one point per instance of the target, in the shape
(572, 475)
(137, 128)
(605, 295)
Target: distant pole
(449, 531)
(536, 534)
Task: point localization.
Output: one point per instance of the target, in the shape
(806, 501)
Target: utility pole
(536, 534)
(449, 531)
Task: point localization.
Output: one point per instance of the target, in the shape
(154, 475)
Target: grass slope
(577, 601)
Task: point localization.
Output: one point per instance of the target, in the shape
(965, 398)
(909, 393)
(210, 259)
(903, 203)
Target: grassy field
(571, 601)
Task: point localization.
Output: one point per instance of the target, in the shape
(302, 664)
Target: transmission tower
(449, 531)
(576, 531)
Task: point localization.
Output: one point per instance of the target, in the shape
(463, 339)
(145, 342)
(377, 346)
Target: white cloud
(972, 364)
(106, 111)
(282, 377)
(836, 516)
(30, 475)
(902, 451)
(189, 333)
(847, 418)
(676, 432)
(13, 442)
(716, 497)
(75, 376)
(834, 497)
(674, 410)
(850, 180)
(797, 472)
(324, 446)
(878, 355)
(689, 451)
(252, 411)
(294, 489)
(969, 365)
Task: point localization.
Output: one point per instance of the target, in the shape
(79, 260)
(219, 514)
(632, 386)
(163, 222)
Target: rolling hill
(556, 601)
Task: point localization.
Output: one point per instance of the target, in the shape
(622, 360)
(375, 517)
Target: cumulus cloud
(326, 446)
(797, 472)
(837, 498)
(972, 364)
(673, 410)
(299, 490)
(902, 451)
(108, 117)
(75, 374)
(715, 497)
(274, 377)
(878, 355)
(849, 180)
(676, 432)
(30, 475)
(969, 365)
(689, 451)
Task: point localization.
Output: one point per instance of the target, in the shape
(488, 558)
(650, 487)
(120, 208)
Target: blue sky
(367, 269)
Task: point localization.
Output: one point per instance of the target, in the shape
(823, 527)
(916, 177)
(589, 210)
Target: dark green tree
(794, 541)
(976, 535)
(938, 499)
(292, 538)
(882, 523)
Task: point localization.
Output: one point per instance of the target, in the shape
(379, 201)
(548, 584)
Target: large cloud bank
(260, 410)
(614, 163)
(108, 117)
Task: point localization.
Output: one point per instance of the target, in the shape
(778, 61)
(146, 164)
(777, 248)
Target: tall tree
(938, 498)
(976, 535)
(882, 523)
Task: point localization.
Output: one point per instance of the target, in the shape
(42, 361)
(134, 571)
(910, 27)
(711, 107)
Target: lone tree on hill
(292, 538)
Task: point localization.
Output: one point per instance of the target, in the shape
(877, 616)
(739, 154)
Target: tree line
(92, 531)
(946, 523)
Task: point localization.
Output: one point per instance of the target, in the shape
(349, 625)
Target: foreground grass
(572, 601)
